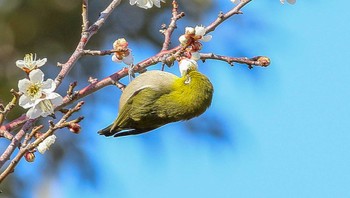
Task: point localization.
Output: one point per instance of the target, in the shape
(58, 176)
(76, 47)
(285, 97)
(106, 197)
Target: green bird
(156, 98)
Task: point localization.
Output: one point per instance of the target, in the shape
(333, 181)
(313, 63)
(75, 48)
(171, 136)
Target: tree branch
(8, 108)
(222, 17)
(172, 26)
(85, 37)
(29, 147)
(262, 61)
(15, 142)
(84, 15)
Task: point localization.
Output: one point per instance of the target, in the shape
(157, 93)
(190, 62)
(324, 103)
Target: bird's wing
(138, 106)
(151, 79)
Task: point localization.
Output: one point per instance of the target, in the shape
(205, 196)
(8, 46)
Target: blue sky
(287, 125)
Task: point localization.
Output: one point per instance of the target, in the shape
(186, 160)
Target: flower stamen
(34, 91)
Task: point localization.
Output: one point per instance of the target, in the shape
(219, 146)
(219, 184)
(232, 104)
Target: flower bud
(200, 30)
(183, 39)
(37, 135)
(29, 156)
(189, 30)
(120, 44)
(45, 145)
(264, 61)
(74, 128)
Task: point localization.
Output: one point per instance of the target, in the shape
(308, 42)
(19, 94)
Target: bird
(156, 98)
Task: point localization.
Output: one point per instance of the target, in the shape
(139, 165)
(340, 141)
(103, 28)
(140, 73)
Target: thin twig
(85, 37)
(222, 17)
(255, 61)
(70, 92)
(9, 106)
(98, 52)
(172, 26)
(29, 147)
(15, 142)
(84, 14)
(30, 135)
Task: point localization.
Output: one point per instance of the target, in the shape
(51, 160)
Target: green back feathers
(156, 80)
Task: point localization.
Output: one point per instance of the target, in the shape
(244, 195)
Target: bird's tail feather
(121, 132)
(106, 131)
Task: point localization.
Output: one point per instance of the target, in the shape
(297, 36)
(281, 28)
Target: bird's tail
(121, 132)
(107, 131)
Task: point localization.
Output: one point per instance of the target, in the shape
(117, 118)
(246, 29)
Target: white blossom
(123, 53)
(38, 95)
(146, 3)
(235, 1)
(30, 63)
(186, 64)
(45, 145)
(200, 31)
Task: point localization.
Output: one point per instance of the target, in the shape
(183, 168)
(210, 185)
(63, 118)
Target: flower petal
(36, 76)
(20, 63)
(189, 30)
(41, 62)
(34, 112)
(45, 145)
(42, 148)
(23, 85)
(55, 98)
(128, 59)
(148, 4)
(156, 3)
(133, 2)
(206, 38)
(48, 86)
(45, 107)
(200, 30)
(115, 59)
(25, 102)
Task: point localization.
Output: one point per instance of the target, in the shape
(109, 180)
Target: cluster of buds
(191, 41)
(122, 52)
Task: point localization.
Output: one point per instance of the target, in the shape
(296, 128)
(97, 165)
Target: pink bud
(74, 128)
(29, 156)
